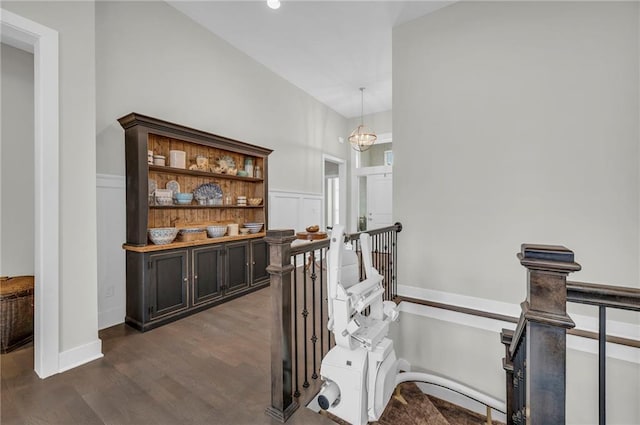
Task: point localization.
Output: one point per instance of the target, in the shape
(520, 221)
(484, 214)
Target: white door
(379, 200)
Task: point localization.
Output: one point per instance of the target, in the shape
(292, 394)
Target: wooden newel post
(545, 322)
(282, 403)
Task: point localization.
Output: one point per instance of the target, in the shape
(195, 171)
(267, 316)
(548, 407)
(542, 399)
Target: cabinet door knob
(185, 279)
(195, 277)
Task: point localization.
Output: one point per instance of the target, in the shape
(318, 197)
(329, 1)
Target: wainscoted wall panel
(111, 261)
(294, 210)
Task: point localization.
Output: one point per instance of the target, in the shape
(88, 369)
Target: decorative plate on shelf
(153, 185)
(173, 186)
(226, 162)
(208, 191)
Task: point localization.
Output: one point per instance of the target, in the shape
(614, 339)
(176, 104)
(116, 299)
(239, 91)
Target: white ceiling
(327, 48)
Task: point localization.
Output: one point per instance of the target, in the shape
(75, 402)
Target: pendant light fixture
(362, 138)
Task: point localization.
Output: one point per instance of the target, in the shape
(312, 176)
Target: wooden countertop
(209, 241)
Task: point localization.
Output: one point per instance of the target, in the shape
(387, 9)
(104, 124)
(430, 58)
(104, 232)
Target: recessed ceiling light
(274, 4)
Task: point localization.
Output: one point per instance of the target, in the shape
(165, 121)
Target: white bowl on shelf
(162, 235)
(254, 227)
(216, 231)
(164, 201)
(187, 230)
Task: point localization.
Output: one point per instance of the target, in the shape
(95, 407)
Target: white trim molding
(342, 179)
(80, 355)
(616, 351)
(28, 35)
(110, 181)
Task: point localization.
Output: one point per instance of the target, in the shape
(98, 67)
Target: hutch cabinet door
(237, 266)
(207, 274)
(259, 261)
(168, 278)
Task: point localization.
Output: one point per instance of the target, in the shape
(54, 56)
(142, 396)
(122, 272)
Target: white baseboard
(616, 351)
(80, 355)
(110, 318)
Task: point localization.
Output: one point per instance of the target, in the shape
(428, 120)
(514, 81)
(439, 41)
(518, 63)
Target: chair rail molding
(589, 323)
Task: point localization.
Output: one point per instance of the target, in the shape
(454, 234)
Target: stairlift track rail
(457, 387)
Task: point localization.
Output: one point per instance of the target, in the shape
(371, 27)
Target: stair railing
(603, 297)
(299, 334)
(535, 360)
(535, 353)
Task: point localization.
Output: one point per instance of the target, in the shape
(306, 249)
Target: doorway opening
(42, 41)
(334, 191)
(371, 186)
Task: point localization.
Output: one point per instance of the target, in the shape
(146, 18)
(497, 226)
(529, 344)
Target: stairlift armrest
(390, 310)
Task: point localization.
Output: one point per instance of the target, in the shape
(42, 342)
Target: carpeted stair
(421, 409)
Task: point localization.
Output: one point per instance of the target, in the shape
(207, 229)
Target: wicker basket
(16, 312)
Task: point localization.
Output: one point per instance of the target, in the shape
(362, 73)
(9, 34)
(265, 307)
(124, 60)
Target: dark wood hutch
(167, 282)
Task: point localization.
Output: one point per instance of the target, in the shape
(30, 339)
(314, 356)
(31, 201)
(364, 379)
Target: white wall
(16, 167)
(528, 123)
(381, 122)
(515, 122)
(78, 278)
(153, 60)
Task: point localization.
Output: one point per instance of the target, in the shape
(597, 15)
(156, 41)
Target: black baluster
(385, 273)
(322, 321)
(602, 364)
(314, 338)
(394, 260)
(296, 393)
(305, 313)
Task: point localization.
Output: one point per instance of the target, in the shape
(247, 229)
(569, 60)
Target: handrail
(583, 333)
(324, 243)
(397, 227)
(309, 246)
(621, 297)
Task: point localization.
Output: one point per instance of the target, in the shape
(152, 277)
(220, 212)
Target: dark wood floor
(209, 368)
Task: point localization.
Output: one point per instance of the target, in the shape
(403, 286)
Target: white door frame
(358, 171)
(42, 41)
(342, 182)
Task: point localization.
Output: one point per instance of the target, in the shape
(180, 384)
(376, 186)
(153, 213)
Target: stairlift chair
(359, 373)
